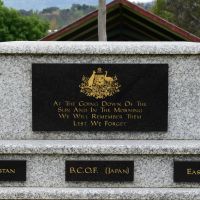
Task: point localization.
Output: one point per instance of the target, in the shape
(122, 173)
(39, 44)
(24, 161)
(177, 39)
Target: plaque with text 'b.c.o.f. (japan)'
(108, 171)
(100, 97)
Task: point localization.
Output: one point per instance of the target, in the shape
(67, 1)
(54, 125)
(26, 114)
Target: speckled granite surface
(102, 48)
(184, 92)
(153, 161)
(46, 153)
(99, 193)
(100, 147)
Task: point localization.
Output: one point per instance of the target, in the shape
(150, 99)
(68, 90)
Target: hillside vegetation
(185, 15)
(61, 17)
(58, 18)
(33, 25)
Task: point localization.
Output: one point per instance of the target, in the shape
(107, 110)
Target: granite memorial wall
(99, 120)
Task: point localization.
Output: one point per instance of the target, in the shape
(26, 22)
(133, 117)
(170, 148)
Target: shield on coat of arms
(99, 79)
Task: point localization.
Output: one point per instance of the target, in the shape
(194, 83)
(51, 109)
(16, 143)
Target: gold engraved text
(191, 171)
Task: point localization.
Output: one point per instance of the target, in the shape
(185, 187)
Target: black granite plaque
(186, 171)
(12, 170)
(113, 171)
(100, 97)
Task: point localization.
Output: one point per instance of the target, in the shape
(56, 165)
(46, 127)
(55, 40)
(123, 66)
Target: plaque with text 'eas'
(100, 97)
(187, 171)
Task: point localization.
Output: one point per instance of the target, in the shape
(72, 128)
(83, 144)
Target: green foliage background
(184, 13)
(33, 25)
(16, 27)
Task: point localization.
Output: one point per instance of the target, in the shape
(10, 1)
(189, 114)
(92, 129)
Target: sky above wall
(40, 4)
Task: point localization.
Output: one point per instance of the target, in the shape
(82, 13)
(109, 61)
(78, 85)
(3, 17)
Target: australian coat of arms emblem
(99, 85)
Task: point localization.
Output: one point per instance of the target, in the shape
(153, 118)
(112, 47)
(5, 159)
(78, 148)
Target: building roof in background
(125, 22)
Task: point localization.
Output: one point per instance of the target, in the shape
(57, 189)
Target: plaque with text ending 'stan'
(13, 170)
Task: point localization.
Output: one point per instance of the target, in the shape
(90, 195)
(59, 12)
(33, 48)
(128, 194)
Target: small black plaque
(186, 171)
(108, 171)
(12, 170)
(100, 97)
